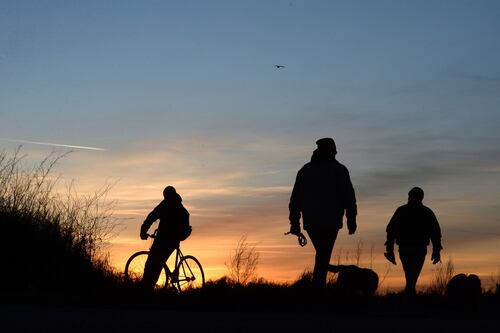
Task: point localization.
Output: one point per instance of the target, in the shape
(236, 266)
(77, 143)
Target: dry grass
(442, 275)
(55, 239)
(243, 262)
(341, 257)
(496, 283)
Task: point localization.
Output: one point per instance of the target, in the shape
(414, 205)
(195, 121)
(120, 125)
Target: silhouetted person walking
(322, 193)
(174, 220)
(411, 227)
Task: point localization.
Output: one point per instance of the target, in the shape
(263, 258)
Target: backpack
(185, 232)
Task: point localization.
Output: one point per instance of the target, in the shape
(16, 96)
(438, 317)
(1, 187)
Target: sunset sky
(185, 93)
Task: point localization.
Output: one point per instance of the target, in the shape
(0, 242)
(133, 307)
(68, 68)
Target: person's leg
(323, 241)
(412, 260)
(157, 257)
(407, 262)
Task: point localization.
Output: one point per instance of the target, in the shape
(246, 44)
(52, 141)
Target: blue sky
(185, 93)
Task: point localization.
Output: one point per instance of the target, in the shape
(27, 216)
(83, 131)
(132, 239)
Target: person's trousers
(412, 259)
(158, 255)
(323, 241)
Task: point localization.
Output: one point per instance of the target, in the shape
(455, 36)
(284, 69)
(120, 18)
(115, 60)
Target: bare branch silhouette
(243, 262)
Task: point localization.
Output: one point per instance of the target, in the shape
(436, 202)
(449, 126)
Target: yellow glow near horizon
(218, 225)
(282, 260)
(391, 277)
(225, 205)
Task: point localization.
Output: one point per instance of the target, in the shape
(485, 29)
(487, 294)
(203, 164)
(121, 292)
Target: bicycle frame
(178, 257)
(187, 269)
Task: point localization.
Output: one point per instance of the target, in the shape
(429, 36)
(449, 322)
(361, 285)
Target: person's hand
(436, 256)
(295, 229)
(389, 255)
(351, 225)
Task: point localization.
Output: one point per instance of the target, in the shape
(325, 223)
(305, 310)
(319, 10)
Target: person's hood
(173, 199)
(321, 156)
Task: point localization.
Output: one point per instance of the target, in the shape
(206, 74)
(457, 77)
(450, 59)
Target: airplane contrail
(55, 144)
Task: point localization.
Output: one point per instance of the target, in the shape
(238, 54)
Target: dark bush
(51, 242)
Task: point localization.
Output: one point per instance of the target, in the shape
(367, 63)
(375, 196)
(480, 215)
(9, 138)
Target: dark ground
(248, 310)
(64, 319)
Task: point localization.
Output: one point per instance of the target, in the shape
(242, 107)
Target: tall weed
(51, 239)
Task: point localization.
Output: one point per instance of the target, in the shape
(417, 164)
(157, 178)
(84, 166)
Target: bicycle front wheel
(190, 274)
(134, 270)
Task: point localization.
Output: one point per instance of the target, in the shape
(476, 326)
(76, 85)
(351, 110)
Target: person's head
(170, 194)
(416, 195)
(326, 146)
(326, 150)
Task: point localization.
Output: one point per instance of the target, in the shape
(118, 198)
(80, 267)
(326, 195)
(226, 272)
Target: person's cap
(327, 144)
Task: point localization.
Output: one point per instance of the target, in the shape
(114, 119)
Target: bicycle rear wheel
(134, 269)
(190, 274)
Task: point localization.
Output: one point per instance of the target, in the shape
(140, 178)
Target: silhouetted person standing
(322, 193)
(411, 227)
(174, 219)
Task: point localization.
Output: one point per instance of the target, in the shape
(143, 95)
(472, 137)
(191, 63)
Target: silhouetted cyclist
(174, 221)
(322, 192)
(411, 227)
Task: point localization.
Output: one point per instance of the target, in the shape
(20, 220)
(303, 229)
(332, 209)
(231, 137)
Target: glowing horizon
(220, 215)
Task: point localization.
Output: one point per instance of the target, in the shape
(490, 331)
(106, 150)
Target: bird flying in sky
(279, 66)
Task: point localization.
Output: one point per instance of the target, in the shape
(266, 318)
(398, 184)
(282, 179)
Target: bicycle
(188, 273)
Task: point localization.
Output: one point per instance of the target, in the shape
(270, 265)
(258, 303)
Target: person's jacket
(173, 219)
(322, 193)
(413, 225)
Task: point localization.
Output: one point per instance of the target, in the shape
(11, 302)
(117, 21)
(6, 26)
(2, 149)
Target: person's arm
(150, 219)
(391, 237)
(392, 229)
(435, 232)
(351, 209)
(435, 235)
(295, 205)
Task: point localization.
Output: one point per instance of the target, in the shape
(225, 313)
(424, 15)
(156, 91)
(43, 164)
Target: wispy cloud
(477, 77)
(56, 144)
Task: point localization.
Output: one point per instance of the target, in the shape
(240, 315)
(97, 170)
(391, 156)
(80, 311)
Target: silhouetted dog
(463, 288)
(354, 280)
